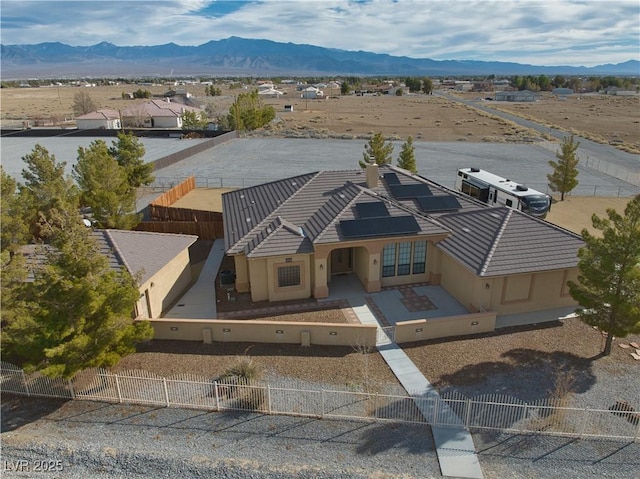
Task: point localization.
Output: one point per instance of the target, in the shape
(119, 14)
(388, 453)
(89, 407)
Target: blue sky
(540, 32)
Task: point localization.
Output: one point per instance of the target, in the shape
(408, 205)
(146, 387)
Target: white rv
(497, 191)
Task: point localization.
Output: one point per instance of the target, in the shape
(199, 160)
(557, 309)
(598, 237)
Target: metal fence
(164, 183)
(497, 412)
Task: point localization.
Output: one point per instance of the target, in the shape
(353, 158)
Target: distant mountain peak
(242, 56)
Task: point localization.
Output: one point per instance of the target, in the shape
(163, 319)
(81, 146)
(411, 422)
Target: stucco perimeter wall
(229, 331)
(423, 329)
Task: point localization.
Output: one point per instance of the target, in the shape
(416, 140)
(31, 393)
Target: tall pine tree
(565, 172)
(407, 158)
(377, 150)
(608, 286)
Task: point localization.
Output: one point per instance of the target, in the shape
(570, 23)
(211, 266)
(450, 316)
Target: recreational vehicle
(497, 191)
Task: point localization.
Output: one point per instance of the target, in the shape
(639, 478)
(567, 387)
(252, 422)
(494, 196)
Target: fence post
(269, 398)
(524, 417)
(375, 405)
(637, 436)
(24, 381)
(322, 411)
(118, 388)
(73, 394)
(436, 408)
(215, 388)
(584, 421)
(166, 391)
(467, 419)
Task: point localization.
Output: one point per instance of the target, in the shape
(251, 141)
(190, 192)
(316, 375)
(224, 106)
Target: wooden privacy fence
(494, 412)
(162, 218)
(174, 194)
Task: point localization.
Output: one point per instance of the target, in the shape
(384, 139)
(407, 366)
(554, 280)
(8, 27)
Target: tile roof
(140, 252)
(291, 215)
(146, 253)
(500, 241)
(104, 114)
(256, 218)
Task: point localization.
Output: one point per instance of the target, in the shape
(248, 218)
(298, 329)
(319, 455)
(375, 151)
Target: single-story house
(156, 114)
(388, 227)
(617, 91)
(159, 262)
(99, 119)
(522, 95)
(562, 91)
(311, 93)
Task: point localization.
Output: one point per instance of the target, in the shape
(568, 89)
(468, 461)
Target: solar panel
(405, 192)
(389, 226)
(372, 210)
(438, 203)
(391, 179)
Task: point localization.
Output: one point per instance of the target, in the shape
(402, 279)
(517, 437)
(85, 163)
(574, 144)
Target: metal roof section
(501, 241)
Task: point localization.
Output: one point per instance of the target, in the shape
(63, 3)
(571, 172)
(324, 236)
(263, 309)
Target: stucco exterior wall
(264, 332)
(165, 287)
(509, 294)
(263, 274)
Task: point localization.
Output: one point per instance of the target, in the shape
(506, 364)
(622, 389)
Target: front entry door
(341, 261)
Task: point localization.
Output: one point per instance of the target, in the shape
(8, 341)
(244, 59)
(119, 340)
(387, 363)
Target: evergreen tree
(376, 150)
(608, 286)
(565, 172)
(76, 314)
(427, 85)
(407, 159)
(249, 112)
(105, 187)
(14, 229)
(129, 153)
(46, 190)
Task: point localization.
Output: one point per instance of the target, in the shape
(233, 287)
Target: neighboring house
(617, 91)
(100, 119)
(156, 114)
(522, 95)
(562, 91)
(158, 261)
(289, 238)
(269, 93)
(311, 93)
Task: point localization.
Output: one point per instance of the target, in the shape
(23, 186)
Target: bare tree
(83, 103)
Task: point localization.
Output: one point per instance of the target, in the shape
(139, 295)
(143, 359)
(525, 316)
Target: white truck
(497, 191)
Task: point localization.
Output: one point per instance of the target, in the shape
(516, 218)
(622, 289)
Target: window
(419, 257)
(509, 203)
(288, 276)
(404, 258)
(389, 260)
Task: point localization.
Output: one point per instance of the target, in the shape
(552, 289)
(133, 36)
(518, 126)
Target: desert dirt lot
(611, 119)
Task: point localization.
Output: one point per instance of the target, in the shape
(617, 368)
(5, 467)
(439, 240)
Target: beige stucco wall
(166, 286)
(508, 294)
(264, 332)
(263, 274)
(423, 329)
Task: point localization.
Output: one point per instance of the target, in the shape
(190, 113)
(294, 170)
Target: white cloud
(537, 32)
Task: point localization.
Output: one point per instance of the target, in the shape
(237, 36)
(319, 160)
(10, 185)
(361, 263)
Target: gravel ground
(100, 440)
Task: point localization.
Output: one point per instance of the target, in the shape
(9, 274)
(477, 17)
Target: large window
(404, 258)
(401, 259)
(389, 260)
(419, 257)
(288, 276)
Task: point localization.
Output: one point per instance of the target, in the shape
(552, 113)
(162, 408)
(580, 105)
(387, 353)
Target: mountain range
(242, 57)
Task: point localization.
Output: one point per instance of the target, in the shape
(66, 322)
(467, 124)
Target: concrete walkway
(199, 302)
(454, 444)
